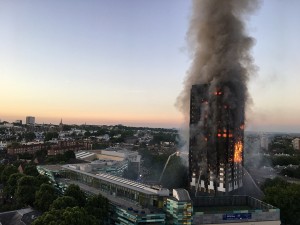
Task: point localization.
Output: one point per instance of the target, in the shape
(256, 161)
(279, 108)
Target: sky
(124, 62)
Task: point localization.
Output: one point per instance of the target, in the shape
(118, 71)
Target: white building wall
(296, 143)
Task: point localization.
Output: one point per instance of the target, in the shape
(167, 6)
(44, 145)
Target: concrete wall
(271, 216)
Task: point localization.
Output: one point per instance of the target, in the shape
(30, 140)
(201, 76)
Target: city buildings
(58, 147)
(30, 120)
(216, 141)
(134, 203)
(131, 202)
(18, 122)
(29, 148)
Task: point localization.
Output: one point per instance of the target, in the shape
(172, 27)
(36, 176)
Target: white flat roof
(84, 154)
(124, 182)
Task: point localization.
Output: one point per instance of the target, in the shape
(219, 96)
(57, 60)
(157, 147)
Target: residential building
(56, 147)
(30, 120)
(60, 147)
(30, 148)
(216, 141)
(264, 141)
(296, 143)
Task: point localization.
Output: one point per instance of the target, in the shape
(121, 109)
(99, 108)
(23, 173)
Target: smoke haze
(220, 50)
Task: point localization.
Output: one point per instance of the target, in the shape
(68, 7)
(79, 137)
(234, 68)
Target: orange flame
(238, 149)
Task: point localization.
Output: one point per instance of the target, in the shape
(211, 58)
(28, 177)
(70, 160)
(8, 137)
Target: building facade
(296, 143)
(30, 148)
(234, 210)
(130, 216)
(264, 141)
(60, 147)
(30, 120)
(216, 140)
(179, 208)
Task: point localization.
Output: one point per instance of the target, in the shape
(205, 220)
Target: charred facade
(216, 139)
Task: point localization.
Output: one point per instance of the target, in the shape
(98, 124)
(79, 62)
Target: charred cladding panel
(216, 140)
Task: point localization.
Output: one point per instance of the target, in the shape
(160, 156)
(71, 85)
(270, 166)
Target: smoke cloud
(219, 47)
(221, 65)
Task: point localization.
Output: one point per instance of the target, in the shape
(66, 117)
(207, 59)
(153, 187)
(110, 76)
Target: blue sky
(116, 61)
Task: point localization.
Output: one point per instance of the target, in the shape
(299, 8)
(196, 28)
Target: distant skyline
(111, 62)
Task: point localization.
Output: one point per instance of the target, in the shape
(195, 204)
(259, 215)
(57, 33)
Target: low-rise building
(120, 154)
(134, 203)
(237, 210)
(179, 208)
(30, 148)
(55, 148)
(62, 146)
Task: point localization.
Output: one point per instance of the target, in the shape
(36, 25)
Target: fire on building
(216, 140)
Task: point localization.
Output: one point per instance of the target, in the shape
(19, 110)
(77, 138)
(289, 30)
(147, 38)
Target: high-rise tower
(30, 120)
(216, 140)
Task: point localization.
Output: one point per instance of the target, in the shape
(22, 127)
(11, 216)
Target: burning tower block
(216, 139)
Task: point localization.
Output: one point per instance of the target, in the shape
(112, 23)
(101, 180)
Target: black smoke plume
(221, 61)
(220, 52)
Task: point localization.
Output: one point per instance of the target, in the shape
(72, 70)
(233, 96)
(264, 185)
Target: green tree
(285, 196)
(25, 155)
(44, 197)
(41, 153)
(66, 127)
(291, 172)
(87, 134)
(15, 145)
(12, 184)
(69, 155)
(41, 179)
(7, 171)
(63, 202)
(50, 135)
(98, 207)
(68, 216)
(75, 192)
(102, 131)
(287, 199)
(277, 181)
(284, 160)
(163, 137)
(25, 192)
(31, 170)
(29, 136)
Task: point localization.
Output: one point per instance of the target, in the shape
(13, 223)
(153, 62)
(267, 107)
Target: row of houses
(59, 147)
